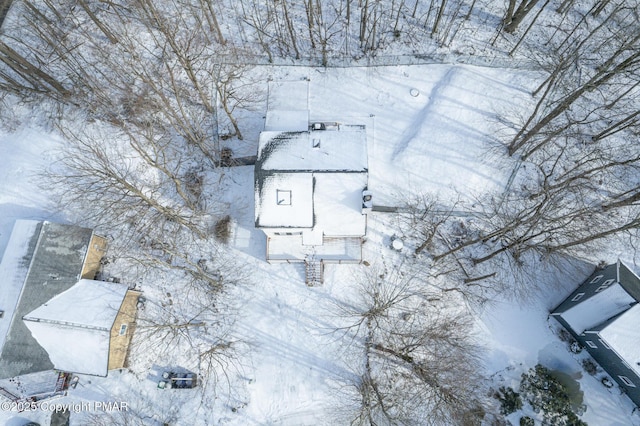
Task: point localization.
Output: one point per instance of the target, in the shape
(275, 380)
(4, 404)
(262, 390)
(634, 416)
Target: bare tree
(419, 359)
(26, 76)
(236, 90)
(516, 13)
(564, 92)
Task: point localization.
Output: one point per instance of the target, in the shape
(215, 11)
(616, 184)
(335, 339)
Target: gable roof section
(54, 266)
(606, 273)
(74, 327)
(284, 200)
(613, 313)
(89, 303)
(622, 336)
(343, 149)
(337, 202)
(599, 308)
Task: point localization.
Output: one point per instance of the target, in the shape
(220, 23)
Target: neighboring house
(603, 315)
(309, 183)
(53, 315)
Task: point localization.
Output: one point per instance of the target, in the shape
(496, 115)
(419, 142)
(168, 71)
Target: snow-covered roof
(343, 148)
(285, 200)
(623, 336)
(286, 120)
(612, 313)
(598, 308)
(89, 303)
(14, 268)
(54, 257)
(74, 327)
(337, 203)
(312, 180)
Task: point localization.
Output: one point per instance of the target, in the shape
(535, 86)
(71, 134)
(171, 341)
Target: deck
(290, 248)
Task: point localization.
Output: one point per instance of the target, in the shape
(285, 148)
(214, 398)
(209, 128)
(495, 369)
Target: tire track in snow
(416, 125)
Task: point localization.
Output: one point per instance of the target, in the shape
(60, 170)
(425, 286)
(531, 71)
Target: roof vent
(315, 143)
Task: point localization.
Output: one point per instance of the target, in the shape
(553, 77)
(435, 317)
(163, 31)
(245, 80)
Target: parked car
(178, 380)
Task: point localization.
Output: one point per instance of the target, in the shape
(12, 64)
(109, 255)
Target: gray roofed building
(54, 260)
(56, 319)
(603, 315)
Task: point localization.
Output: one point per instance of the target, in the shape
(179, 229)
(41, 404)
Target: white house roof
(623, 336)
(598, 308)
(74, 327)
(287, 120)
(285, 200)
(74, 349)
(341, 149)
(337, 202)
(312, 180)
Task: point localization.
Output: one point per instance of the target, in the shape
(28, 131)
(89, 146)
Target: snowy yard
(431, 129)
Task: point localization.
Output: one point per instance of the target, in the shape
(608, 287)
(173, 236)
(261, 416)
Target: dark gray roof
(618, 272)
(608, 272)
(57, 254)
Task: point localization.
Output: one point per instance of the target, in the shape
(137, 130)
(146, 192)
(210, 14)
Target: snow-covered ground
(24, 153)
(431, 129)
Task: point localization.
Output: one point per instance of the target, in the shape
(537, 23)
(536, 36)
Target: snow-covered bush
(222, 229)
(548, 396)
(589, 366)
(527, 421)
(510, 400)
(575, 347)
(606, 382)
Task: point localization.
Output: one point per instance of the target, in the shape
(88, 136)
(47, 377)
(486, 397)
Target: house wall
(607, 359)
(275, 232)
(95, 253)
(629, 281)
(119, 343)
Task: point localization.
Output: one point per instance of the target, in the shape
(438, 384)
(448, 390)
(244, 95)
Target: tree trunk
(520, 13)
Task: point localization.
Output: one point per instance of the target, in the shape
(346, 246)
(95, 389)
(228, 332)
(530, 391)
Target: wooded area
(143, 93)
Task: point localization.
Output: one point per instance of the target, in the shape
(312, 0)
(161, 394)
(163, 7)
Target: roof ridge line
(65, 323)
